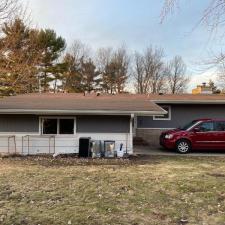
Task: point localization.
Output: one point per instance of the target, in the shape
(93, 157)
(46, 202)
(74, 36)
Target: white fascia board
(79, 112)
(212, 102)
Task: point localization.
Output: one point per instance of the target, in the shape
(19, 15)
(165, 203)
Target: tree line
(38, 60)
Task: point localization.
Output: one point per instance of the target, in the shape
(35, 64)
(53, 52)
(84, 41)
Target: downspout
(131, 134)
(135, 126)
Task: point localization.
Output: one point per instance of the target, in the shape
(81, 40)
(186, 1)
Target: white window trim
(58, 118)
(169, 113)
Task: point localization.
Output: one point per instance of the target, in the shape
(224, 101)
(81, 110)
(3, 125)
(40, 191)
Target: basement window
(165, 116)
(58, 126)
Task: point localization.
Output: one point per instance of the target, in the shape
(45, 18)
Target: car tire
(183, 146)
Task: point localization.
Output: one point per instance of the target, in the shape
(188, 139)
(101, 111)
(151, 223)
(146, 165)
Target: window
(206, 127)
(66, 126)
(166, 116)
(50, 126)
(58, 126)
(189, 125)
(220, 126)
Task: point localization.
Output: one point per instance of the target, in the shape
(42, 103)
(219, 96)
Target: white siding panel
(61, 144)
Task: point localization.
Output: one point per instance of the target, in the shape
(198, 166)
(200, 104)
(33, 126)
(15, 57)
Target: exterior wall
(150, 129)
(19, 124)
(151, 136)
(103, 124)
(60, 144)
(202, 89)
(11, 124)
(20, 134)
(183, 114)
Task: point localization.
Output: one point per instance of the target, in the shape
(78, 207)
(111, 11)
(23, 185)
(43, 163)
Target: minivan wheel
(183, 146)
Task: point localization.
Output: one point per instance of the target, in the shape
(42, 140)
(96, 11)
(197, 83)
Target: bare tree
(121, 60)
(139, 74)
(9, 9)
(221, 75)
(176, 75)
(168, 8)
(149, 71)
(103, 58)
(213, 15)
(79, 51)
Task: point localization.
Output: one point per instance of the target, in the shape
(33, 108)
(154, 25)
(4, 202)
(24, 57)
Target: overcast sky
(101, 23)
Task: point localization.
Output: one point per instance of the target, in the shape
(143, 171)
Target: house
(54, 123)
(181, 109)
(203, 89)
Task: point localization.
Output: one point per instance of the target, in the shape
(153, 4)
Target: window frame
(157, 117)
(41, 120)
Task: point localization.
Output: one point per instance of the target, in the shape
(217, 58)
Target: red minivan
(199, 134)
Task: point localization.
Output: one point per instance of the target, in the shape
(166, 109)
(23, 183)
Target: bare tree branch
(176, 75)
(149, 71)
(168, 8)
(9, 9)
(213, 15)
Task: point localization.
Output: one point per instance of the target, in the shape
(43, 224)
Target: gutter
(80, 112)
(212, 102)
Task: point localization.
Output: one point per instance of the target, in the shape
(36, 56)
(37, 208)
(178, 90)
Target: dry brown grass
(155, 190)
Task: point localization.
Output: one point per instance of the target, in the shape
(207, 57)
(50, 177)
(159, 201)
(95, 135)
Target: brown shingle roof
(78, 102)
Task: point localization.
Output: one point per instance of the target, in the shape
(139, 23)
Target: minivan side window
(220, 126)
(206, 126)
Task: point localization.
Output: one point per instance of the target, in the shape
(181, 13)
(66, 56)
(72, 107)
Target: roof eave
(80, 112)
(213, 102)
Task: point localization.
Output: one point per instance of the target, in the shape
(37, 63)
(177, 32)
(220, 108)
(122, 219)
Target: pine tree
(115, 71)
(51, 46)
(109, 78)
(19, 56)
(71, 81)
(89, 76)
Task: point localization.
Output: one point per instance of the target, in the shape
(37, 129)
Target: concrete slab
(146, 150)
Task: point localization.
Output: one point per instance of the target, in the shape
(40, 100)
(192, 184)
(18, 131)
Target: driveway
(146, 150)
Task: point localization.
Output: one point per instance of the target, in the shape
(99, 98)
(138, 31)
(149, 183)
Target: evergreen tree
(81, 75)
(89, 76)
(51, 47)
(109, 78)
(19, 55)
(115, 71)
(71, 81)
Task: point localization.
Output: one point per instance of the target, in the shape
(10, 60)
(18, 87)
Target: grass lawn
(153, 190)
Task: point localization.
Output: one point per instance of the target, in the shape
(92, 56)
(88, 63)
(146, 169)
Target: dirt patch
(216, 174)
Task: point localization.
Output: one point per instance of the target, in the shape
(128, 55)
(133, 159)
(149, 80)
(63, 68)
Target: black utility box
(84, 147)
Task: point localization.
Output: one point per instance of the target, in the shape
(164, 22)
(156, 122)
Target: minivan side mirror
(196, 129)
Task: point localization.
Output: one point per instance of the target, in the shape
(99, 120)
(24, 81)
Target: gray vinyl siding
(19, 123)
(183, 114)
(84, 124)
(103, 124)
